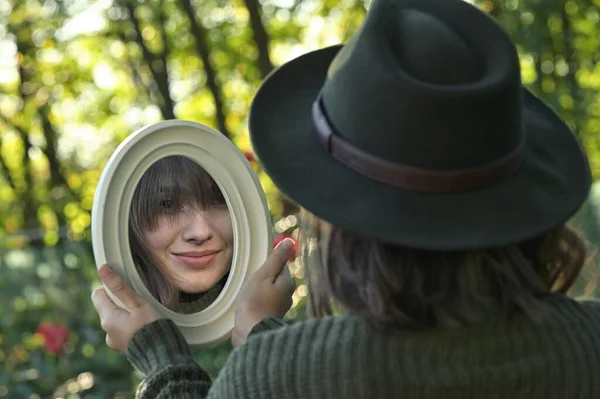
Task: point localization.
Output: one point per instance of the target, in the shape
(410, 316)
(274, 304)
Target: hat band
(410, 177)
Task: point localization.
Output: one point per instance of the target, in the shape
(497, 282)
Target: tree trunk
(261, 37)
(265, 66)
(203, 49)
(27, 191)
(57, 179)
(156, 64)
(4, 170)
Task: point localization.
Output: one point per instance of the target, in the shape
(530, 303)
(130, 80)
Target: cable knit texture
(270, 323)
(345, 357)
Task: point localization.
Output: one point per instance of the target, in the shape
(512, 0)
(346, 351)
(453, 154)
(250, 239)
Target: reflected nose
(197, 229)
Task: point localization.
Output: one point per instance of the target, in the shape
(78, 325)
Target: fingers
(277, 260)
(285, 282)
(117, 286)
(109, 342)
(104, 306)
(102, 302)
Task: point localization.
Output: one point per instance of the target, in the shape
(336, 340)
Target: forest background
(78, 76)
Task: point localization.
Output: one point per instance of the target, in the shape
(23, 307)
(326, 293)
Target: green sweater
(344, 357)
(194, 303)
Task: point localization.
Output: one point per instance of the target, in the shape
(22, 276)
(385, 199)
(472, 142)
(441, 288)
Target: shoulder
(289, 356)
(305, 336)
(590, 306)
(571, 311)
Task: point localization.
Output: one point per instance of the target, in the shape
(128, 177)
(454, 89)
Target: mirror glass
(181, 234)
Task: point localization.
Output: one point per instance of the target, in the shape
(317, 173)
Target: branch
(57, 179)
(203, 50)
(164, 58)
(160, 76)
(3, 166)
(137, 78)
(6, 173)
(29, 207)
(261, 37)
(162, 19)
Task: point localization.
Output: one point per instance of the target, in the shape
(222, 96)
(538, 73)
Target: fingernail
(105, 271)
(287, 244)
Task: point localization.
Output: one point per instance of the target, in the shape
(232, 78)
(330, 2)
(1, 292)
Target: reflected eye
(218, 198)
(218, 202)
(167, 204)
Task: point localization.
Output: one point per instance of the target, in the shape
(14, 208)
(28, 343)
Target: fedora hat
(419, 132)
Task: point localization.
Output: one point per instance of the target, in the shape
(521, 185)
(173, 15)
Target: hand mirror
(180, 214)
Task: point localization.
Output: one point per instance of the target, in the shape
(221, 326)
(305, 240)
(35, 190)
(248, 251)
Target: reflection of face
(181, 234)
(194, 247)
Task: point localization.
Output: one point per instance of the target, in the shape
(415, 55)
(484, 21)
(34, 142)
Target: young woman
(443, 188)
(181, 236)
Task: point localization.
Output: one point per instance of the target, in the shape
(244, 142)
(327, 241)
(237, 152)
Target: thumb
(276, 260)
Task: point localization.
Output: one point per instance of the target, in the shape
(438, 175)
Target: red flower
(55, 336)
(249, 156)
(283, 236)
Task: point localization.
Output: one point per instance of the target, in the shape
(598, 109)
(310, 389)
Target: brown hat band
(410, 177)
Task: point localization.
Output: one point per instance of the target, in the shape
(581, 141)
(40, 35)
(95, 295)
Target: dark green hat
(419, 132)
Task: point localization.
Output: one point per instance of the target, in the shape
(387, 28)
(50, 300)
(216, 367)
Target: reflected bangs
(169, 185)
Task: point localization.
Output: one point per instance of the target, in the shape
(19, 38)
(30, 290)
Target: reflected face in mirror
(181, 234)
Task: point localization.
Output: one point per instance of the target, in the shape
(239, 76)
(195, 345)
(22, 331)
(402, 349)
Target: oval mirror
(180, 214)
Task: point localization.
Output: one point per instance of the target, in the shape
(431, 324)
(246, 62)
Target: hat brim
(549, 187)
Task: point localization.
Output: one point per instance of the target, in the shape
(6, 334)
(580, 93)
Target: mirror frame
(245, 198)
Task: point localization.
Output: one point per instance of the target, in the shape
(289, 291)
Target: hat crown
(432, 84)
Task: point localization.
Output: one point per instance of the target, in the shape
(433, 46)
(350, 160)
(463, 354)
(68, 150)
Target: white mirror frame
(251, 221)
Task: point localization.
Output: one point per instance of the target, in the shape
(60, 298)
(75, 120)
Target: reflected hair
(394, 286)
(166, 187)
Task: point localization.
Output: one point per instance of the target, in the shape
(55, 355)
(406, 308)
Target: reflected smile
(196, 259)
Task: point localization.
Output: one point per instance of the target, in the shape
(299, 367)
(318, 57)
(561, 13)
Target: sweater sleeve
(270, 323)
(161, 353)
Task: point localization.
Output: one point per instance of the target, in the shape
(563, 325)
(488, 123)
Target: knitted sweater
(194, 303)
(345, 357)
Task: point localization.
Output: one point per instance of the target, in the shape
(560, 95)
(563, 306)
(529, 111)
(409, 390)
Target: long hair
(164, 188)
(399, 287)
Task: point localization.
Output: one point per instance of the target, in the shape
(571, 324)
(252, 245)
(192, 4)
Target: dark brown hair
(396, 286)
(163, 190)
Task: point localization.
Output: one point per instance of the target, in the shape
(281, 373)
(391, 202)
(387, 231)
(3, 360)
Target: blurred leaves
(78, 76)
(44, 294)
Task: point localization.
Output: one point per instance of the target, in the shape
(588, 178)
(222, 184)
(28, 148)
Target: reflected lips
(197, 259)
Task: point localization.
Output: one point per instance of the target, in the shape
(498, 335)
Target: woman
(443, 187)
(181, 236)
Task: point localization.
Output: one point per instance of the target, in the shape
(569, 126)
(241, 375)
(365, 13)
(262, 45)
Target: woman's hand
(120, 324)
(268, 293)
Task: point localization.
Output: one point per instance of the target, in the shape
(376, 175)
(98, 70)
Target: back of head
(395, 286)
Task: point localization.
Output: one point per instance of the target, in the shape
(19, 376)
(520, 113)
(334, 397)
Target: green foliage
(54, 284)
(558, 42)
(78, 76)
